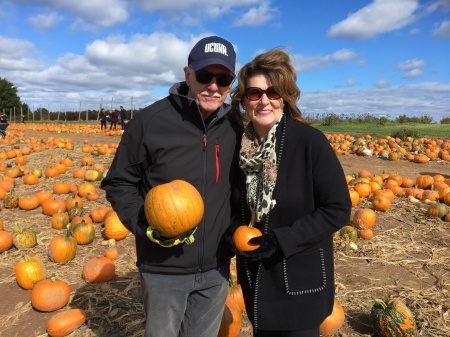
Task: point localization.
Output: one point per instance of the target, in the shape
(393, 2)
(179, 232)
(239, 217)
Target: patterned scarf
(259, 163)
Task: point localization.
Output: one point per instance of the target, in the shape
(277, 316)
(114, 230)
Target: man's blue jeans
(184, 305)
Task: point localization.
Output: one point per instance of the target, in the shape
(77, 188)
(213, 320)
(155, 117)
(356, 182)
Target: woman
(298, 197)
(113, 114)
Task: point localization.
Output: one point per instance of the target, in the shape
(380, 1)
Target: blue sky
(381, 57)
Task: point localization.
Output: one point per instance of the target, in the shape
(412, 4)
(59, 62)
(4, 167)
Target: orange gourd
(53, 205)
(114, 229)
(29, 271)
(84, 233)
(6, 241)
(173, 208)
(364, 218)
(231, 323)
(381, 203)
(243, 234)
(60, 220)
(334, 321)
(28, 202)
(98, 269)
(50, 294)
(62, 248)
(65, 322)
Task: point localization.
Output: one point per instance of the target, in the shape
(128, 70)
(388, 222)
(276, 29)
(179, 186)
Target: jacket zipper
(201, 246)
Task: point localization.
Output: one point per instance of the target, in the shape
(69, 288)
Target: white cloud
(381, 84)
(378, 17)
(45, 21)
(413, 74)
(308, 63)
(256, 16)
(412, 68)
(442, 30)
(413, 100)
(193, 12)
(351, 83)
(105, 13)
(411, 64)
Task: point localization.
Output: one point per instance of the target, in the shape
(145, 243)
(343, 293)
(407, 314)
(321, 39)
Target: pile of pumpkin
(62, 128)
(381, 189)
(418, 150)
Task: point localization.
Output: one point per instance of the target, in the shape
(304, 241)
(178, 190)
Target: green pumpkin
(392, 318)
(23, 238)
(84, 233)
(75, 211)
(11, 199)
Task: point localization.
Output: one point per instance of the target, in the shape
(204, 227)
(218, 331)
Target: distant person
(3, 119)
(102, 117)
(123, 117)
(114, 115)
(23, 118)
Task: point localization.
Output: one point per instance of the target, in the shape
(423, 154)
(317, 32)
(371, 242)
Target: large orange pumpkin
(231, 323)
(65, 322)
(334, 321)
(173, 208)
(50, 294)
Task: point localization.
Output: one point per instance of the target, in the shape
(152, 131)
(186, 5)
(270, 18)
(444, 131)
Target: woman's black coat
(294, 289)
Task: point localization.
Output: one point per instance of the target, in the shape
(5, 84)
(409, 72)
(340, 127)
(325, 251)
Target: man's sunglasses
(205, 77)
(255, 93)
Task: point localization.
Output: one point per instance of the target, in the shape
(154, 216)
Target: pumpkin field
(63, 251)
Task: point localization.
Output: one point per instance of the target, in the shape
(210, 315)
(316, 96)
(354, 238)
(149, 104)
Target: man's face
(209, 96)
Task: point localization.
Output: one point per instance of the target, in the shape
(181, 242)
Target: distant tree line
(333, 119)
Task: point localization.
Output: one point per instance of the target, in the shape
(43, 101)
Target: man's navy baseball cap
(212, 50)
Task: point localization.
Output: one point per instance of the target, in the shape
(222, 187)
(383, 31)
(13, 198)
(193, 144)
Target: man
(123, 117)
(102, 117)
(188, 135)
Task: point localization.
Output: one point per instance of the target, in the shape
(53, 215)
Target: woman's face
(264, 112)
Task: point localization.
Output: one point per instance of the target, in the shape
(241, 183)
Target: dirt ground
(408, 258)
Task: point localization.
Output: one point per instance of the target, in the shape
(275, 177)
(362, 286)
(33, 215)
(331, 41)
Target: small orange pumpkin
(29, 271)
(29, 202)
(62, 248)
(381, 203)
(114, 228)
(364, 218)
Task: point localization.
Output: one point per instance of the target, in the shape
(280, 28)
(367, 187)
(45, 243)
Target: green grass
(387, 129)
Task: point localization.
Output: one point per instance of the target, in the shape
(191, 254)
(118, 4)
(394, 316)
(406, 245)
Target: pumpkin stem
(252, 220)
(381, 303)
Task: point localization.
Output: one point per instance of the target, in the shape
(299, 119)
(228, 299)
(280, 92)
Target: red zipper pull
(204, 140)
(217, 163)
